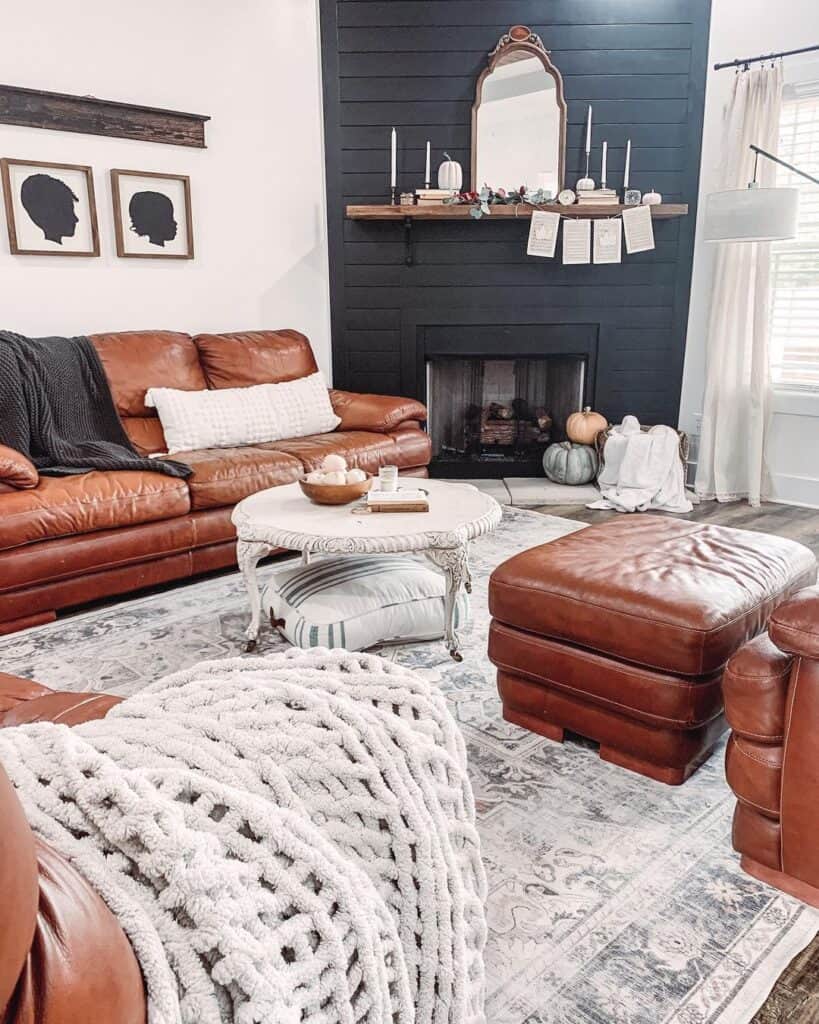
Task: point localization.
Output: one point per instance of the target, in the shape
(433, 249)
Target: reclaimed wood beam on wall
(34, 108)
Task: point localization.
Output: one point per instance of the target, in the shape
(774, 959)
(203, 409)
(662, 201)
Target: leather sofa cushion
(137, 360)
(656, 698)
(365, 450)
(755, 687)
(88, 554)
(754, 773)
(64, 506)
(414, 447)
(758, 836)
(16, 470)
(146, 433)
(374, 412)
(18, 888)
(223, 476)
(81, 966)
(61, 706)
(795, 628)
(13, 690)
(673, 595)
(243, 358)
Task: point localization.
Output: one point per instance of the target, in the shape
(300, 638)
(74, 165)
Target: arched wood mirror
(519, 117)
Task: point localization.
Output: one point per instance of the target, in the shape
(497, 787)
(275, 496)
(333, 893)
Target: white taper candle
(628, 164)
(588, 131)
(393, 159)
(603, 165)
(426, 176)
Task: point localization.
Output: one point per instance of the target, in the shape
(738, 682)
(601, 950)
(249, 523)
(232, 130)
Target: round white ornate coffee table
(282, 517)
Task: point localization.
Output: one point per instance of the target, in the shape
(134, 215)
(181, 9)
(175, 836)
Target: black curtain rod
(767, 56)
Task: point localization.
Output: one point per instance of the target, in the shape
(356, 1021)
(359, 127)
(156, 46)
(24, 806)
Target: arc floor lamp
(754, 214)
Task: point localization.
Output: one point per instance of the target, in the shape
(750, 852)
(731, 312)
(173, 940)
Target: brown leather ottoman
(620, 633)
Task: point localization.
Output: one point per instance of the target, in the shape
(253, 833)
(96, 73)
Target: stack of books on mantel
(404, 500)
(433, 196)
(598, 197)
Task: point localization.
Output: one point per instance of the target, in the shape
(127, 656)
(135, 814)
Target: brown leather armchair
(64, 959)
(771, 688)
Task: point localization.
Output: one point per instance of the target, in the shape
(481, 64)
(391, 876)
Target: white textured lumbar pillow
(359, 601)
(304, 406)
(224, 417)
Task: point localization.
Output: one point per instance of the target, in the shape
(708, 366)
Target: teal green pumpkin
(568, 463)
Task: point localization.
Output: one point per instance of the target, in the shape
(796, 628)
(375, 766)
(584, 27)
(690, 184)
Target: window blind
(794, 342)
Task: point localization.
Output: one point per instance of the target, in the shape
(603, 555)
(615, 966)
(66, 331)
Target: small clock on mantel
(566, 197)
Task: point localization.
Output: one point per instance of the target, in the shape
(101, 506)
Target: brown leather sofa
(64, 959)
(772, 761)
(70, 540)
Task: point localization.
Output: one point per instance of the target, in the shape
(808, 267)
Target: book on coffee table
(404, 500)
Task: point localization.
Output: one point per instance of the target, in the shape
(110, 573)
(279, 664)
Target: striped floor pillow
(356, 602)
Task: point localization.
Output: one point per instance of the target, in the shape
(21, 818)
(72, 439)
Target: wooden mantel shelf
(453, 212)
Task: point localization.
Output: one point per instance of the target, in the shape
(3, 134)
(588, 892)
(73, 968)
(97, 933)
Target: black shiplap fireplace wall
(641, 63)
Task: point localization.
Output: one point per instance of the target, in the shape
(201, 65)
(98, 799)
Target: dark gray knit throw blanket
(57, 409)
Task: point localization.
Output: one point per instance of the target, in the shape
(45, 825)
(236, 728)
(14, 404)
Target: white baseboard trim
(794, 490)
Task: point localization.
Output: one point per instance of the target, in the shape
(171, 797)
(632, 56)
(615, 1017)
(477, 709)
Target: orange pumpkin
(583, 427)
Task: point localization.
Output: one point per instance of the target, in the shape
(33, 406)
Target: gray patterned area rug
(613, 899)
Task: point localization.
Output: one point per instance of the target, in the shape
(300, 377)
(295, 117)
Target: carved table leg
(248, 555)
(455, 565)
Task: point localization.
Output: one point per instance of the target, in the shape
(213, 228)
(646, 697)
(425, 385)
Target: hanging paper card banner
(576, 241)
(638, 229)
(543, 233)
(608, 240)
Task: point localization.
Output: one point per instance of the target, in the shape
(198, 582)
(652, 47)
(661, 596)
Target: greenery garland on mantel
(481, 203)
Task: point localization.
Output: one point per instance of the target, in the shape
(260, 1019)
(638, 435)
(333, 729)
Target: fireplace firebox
(500, 412)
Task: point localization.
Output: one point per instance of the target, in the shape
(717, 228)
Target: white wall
(745, 28)
(258, 189)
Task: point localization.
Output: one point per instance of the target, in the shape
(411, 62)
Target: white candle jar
(388, 478)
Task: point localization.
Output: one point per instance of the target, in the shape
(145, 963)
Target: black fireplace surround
(414, 66)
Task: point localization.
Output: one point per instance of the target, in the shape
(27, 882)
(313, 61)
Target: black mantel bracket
(408, 241)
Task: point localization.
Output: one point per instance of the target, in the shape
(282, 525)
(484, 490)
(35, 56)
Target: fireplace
(497, 396)
(501, 412)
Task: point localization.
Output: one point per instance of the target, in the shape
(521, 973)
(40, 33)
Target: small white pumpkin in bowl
(334, 463)
(337, 478)
(334, 483)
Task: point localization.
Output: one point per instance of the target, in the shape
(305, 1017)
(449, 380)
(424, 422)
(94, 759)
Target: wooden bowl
(335, 494)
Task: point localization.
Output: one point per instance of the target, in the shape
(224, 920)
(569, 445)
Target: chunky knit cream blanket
(284, 839)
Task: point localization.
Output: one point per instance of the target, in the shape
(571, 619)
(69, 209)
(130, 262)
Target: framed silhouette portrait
(50, 208)
(152, 215)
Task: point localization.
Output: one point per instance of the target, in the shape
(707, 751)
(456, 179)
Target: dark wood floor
(795, 997)
(800, 524)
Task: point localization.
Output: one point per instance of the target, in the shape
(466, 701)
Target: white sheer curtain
(731, 461)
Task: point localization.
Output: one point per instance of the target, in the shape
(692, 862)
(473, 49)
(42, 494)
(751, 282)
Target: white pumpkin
(450, 174)
(356, 476)
(316, 477)
(652, 198)
(337, 478)
(334, 463)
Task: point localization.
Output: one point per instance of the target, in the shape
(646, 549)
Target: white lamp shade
(752, 215)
